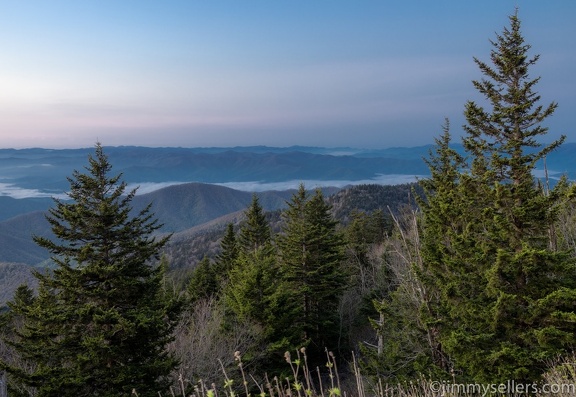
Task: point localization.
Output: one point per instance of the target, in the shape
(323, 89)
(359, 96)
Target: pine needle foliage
(101, 321)
(255, 232)
(228, 251)
(311, 257)
(506, 293)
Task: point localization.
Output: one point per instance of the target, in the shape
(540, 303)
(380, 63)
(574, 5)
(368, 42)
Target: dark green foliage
(255, 232)
(256, 293)
(404, 346)
(228, 250)
(254, 241)
(452, 273)
(311, 252)
(404, 351)
(506, 295)
(11, 276)
(209, 279)
(293, 297)
(11, 322)
(204, 282)
(363, 231)
(368, 279)
(23, 298)
(101, 321)
(254, 290)
(19, 305)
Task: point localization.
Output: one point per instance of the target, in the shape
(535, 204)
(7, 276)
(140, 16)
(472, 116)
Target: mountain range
(43, 172)
(195, 192)
(195, 213)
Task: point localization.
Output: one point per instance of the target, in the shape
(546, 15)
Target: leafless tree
(201, 344)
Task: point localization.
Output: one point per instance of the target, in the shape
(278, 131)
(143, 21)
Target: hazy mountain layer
(196, 213)
(178, 208)
(43, 172)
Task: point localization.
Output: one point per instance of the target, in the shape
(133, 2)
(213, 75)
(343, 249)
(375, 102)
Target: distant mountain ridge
(45, 170)
(196, 213)
(184, 206)
(11, 207)
(29, 177)
(16, 244)
(39, 173)
(178, 208)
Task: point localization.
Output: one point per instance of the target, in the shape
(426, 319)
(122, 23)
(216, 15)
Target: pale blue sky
(246, 72)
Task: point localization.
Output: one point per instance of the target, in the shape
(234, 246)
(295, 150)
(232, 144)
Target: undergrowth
(558, 381)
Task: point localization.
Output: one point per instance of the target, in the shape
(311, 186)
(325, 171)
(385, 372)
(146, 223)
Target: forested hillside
(370, 198)
(188, 247)
(197, 214)
(180, 207)
(183, 206)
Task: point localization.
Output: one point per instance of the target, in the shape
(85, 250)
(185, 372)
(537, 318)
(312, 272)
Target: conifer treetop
(515, 117)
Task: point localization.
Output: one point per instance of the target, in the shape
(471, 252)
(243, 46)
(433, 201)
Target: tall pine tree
(255, 232)
(204, 283)
(228, 252)
(506, 295)
(311, 251)
(100, 323)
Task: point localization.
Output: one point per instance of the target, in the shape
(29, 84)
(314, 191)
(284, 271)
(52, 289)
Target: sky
(200, 73)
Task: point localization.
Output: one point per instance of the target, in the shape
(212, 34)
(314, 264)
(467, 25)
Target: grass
(558, 381)
(303, 383)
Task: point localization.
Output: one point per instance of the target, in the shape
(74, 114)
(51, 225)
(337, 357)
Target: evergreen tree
(22, 301)
(253, 291)
(257, 294)
(255, 232)
(11, 322)
(228, 252)
(100, 323)
(311, 253)
(204, 282)
(454, 276)
(506, 295)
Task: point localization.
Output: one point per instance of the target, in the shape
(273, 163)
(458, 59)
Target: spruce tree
(506, 295)
(100, 323)
(255, 232)
(228, 252)
(452, 272)
(254, 291)
(204, 282)
(311, 251)
(11, 322)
